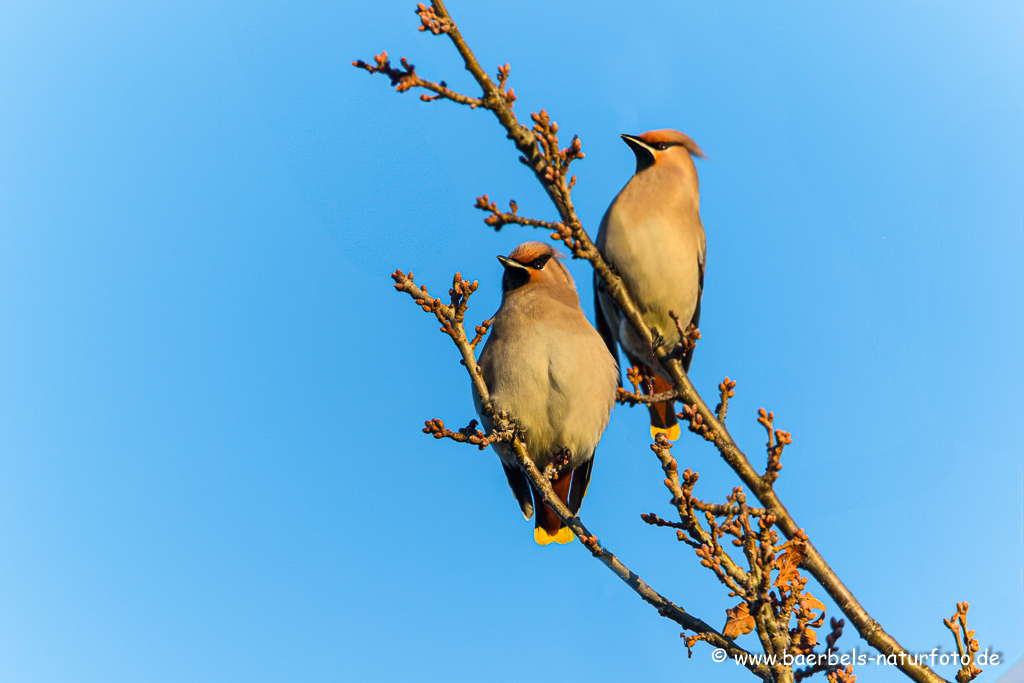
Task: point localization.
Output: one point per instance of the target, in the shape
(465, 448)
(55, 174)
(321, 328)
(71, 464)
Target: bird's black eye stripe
(540, 261)
(662, 146)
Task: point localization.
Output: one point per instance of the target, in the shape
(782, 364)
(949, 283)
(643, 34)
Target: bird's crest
(673, 137)
(527, 252)
(535, 255)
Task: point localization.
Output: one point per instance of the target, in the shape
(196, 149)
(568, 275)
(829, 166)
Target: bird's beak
(635, 143)
(509, 263)
(644, 153)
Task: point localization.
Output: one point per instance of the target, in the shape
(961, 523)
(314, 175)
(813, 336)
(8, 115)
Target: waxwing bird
(652, 237)
(546, 366)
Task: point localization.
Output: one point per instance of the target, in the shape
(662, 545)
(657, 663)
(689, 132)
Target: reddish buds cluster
(402, 79)
(468, 434)
(655, 520)
(688, 335)
(591, 543)
(508, 93)
(725, 392)
(431, 22)
(497, 219)
(966, 646)
(635, 376)
(460, 293)
(696, 423)
(481, 331)
(562, 232)
(842, 675)
(556, 161)
(451, 316)
(777, 440)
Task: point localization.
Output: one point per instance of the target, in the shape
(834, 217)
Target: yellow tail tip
(564, 535)
(672, 433)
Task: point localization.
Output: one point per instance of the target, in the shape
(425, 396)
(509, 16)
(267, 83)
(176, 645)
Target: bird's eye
(662, 146)
(538, 263)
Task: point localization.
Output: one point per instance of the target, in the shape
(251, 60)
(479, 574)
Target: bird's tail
(548, 528)
(663, 415)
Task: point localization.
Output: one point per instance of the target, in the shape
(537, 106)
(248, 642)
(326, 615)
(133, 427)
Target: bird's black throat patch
(514, 278)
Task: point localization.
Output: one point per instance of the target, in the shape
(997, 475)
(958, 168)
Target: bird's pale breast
(657, 257)
(551, 370)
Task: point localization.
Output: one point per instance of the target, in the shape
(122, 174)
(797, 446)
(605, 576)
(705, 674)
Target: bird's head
(665, 146)
(536, 264)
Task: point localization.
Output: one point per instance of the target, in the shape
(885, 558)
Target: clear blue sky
(210, 397)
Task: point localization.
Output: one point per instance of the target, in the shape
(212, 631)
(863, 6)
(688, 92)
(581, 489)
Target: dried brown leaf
(739, 621)
(788, 563)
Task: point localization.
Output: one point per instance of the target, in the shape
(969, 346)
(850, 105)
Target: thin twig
(498, 219)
